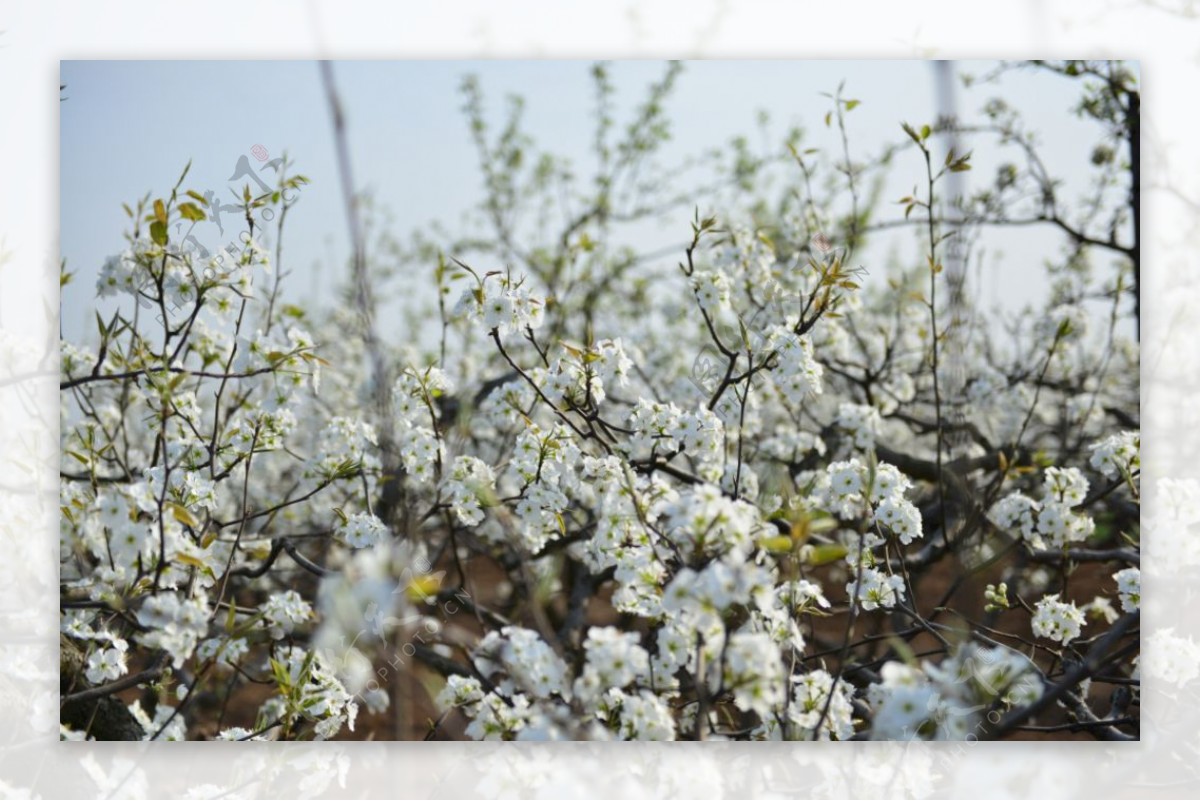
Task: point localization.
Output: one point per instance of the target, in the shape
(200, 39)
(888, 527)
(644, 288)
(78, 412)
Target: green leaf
(348, 468)
(191, 211)
(824, 554)
(852, 104)
(182, 514)
(160, 212)
(925, 132)
(281, 674)
(158, 232)
(777, 544)
(190, 561)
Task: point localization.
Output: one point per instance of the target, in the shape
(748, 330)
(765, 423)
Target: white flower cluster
(289, 358)
(814, 713)
(107, 664)
(1057, 620)
(1016, 512)
(1129, 588)
(712, 290)
(283, 611)
(580, 375)
(75, 359)
(1065, 485)
(892, 510)
(504, 407)
(361, 530)
(861, 423)
(846, 485)
(855, 489)
(309, 690)
(77, 624)
(1069, 320)
(344, 442)
(530, 695)
(641, 715)
(702, 520)
(754, 672)
(1118, 455)
(166, 725)
(698, 599)
(126, 272)
(183, 274)
(749, 255)
(943, 702)
(1052, 523)
(797, 375)
(223, 651)
(421, 451)
(625, 503)
(414, 393)
(545, 460)
(614, 659)
(173, 624)
(413, 398)
(493, 717)
(570, 383)
(469, 488)
(256, 429)
(663, 429)
(529, 665)
(118, 533)
(876, 589)
(621, 499)
(503, 304)
(789, 445)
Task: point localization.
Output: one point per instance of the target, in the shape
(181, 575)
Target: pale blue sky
(128, 127)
